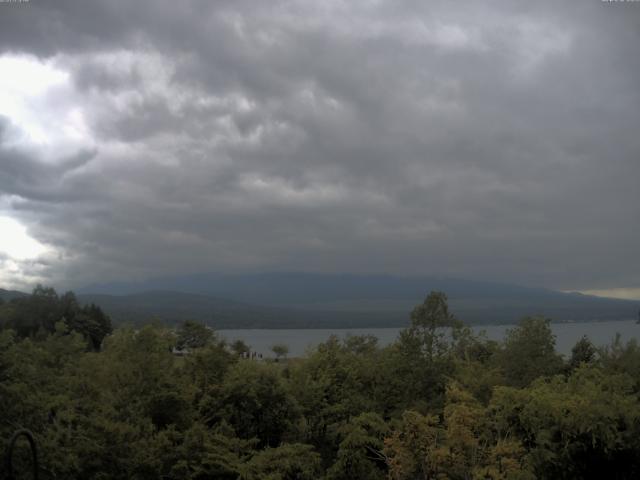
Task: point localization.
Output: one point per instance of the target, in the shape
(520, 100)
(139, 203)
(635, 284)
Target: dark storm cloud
(27, 177)
(493, 140)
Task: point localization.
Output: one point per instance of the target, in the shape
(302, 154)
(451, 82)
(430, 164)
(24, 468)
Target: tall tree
(193, 335)
(529, 352)
(281, 350)
(430, 322)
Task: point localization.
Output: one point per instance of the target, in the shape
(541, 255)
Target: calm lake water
(300, 340)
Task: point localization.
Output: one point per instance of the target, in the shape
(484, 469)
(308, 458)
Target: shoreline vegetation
(181, 403)
(300, 341)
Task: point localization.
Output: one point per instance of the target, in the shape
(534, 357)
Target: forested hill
(304, 300)
(173, 307)
(332, 301)
(426, 406)
(6, 295)
(295, 288)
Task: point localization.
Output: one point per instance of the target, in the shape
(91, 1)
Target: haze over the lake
(492, 140)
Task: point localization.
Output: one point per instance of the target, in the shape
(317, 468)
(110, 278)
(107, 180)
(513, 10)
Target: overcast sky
(486, 140)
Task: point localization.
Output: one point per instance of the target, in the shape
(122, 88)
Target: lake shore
(300, 341)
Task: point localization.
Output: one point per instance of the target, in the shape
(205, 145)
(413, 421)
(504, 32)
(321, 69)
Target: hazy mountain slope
(172, 307)
(301, 288)
(175, 306)
(7, 295)
(305, 299)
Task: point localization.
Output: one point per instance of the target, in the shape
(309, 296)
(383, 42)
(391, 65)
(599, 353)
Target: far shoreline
(474, 325)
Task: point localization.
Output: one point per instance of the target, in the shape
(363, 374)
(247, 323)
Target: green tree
(476, 369)
(583, 426)
(205, 368)
(619, 357)
(39, 312)
(35, 313)
(288, 462)
(254, 401)
(199, 453)
(192, 335)
(91, 322)
(582, 352)
(361, 344)
(529, 352)
(281, 350)
(432, 325)
(412, 447)
(459, 445)
(335, 383)
(360, 452)
(425, 353)
(240, 348)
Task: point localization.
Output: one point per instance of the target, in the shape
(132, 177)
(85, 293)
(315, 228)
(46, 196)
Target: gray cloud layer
(494, 140)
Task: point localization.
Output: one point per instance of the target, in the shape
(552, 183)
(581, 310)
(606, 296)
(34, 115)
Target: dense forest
(439, 403)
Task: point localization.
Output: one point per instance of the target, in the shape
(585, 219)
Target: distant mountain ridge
(173, 307)
(7, 295)
(282, 288)
(304, 300)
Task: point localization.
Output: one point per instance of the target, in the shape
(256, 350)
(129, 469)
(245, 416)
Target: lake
(300, 340)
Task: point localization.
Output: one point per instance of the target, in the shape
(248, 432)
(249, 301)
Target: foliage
(192, 335)
(584, 426)
(293, 461)
(280, 349)
(529, 352)
(460, 444)
(39, 312)
(425, 354)
(429, 323)
(254, 401)
(439, 403)
(582, 352)
(622, 358)
(360, 453)
(240, 348)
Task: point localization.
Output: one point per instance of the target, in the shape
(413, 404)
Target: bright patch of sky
(624, 293)
(38, 99)
(16, 243)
